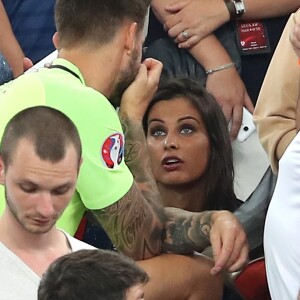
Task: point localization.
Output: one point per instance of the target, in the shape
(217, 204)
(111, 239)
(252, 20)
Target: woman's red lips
(171, 159)
(171, 163)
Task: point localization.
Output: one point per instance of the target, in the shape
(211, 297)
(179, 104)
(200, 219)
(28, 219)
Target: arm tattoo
(185, 231)
(137, 159)
(133, 226)
(135, 223)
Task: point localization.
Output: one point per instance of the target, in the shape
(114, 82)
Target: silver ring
(185, 34)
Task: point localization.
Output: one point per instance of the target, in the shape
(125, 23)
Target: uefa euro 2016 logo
(113, 150)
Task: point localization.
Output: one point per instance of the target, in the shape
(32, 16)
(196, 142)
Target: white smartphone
(247, 126)
(46, 60)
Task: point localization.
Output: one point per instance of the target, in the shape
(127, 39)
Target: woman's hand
(230, 92)
(197, 18)
(229, 242)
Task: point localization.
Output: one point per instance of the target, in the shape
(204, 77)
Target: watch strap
(236, 8)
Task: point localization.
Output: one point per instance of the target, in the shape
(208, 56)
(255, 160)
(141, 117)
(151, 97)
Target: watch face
(239, 7)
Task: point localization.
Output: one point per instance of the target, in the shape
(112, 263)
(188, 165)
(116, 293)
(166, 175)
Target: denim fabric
(5, 70)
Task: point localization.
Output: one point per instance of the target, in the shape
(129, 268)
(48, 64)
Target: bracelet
(223, 67)
(236, 8)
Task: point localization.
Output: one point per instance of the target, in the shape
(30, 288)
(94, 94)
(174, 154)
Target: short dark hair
(90, 274)
(48, 129)
(96, 21)
(220, 173)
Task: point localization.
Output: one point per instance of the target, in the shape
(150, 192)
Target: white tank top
(282, 228)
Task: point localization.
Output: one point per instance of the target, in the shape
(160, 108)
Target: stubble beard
(126, 77)
(34, 229)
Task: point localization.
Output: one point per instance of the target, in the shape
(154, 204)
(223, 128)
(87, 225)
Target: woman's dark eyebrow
(188, 118)
(179, 120)
(155, 120)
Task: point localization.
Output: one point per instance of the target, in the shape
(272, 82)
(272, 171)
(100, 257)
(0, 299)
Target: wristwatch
(236, 8)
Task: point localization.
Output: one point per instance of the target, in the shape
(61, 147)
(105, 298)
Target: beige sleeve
(275, 112)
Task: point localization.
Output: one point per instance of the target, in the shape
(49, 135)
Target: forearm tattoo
(186, 231)
(137, 159)
(133, 226)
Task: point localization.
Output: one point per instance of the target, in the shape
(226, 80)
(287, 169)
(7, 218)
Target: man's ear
(130, 43)
(80, 163)
(2, 170)
(55, 40)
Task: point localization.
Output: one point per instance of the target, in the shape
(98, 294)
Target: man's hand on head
(136, 98)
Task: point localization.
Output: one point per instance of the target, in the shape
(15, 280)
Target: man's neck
(14, 236)
(98, 66)
(37, 251)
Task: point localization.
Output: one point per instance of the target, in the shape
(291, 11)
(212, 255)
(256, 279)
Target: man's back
(98, 125)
